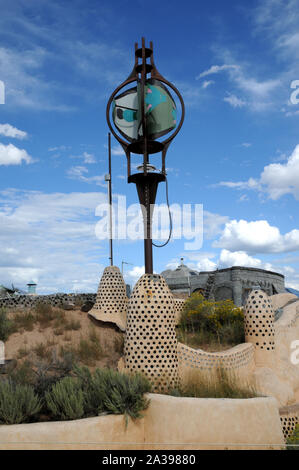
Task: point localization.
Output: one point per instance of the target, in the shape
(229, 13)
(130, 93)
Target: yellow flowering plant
(215, 317)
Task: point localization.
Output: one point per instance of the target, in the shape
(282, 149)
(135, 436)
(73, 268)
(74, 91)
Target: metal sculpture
(141, 115)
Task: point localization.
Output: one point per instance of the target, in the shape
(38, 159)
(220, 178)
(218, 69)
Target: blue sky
(237, 153)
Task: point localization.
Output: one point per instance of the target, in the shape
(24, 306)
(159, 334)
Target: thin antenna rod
(110, 201)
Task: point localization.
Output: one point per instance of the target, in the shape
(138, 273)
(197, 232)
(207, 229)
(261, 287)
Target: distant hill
(292, 291)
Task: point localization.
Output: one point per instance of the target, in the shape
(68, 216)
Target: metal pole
(148, 247)
(110, 201)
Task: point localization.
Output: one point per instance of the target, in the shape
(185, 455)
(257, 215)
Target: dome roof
(182, 271)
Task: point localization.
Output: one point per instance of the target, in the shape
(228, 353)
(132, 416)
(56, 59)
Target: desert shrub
(222, 319)
(72, 325)
(92, 387)
(60, 319)
(18, 403)
(124, 393)
(44, 314)
(110, 391)
(6, 325)
(293, 440)
(44, 374)
(89, 350)
(42, 351)
(78, 302)
(65, 400)
(24, 320)
(58, 331)
(22, 352)
(221, 384)
(23, 374)
(48, 373)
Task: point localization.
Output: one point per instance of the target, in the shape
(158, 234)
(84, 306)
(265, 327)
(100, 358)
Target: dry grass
(204, 340)
(94, 343)
(88, 351)
(24, 320)
(22, 352)
(219, 383)
(42, 351)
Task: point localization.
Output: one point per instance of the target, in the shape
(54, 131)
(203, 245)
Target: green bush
(6, 325)
(293, 440)
(113, 392)
(18, 403)
(23, 374)
(94, 394)
(67, 391)
(65, 400)
(124, 393)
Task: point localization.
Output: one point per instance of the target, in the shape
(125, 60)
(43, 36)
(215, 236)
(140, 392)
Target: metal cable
(170, 219)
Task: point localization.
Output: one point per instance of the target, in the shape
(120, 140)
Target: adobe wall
(169, 423)
(238, 360)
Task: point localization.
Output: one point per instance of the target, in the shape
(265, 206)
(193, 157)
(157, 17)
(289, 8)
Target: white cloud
(234, 101)
(280, 179)
(205, 264)
(246, 144)
(250, 184)
(240, 258)
(88, 158)
(11, 155)
(216, 69)
(50, 238)
(9, 131)
(132, 276)
(85, 156)
(79, 173)
(207, 83)
(243, 198)
(277, 179)
(213, 223)
(25, 66)
(117, 150)
(256, 237)
(59, 148)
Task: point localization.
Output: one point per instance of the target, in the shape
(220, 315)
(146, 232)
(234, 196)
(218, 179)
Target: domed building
(179, 279)
(230, 283)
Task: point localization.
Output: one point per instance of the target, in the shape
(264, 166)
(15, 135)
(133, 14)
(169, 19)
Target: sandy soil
(21, 345)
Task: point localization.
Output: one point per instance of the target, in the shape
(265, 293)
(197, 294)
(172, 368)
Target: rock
(87, 306)
(68, 306)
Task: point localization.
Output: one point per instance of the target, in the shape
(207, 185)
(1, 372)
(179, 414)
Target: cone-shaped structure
(259, 327)
(150, 344)
(111, 301)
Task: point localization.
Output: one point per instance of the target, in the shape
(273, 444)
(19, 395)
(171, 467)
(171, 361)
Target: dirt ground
(41, 341)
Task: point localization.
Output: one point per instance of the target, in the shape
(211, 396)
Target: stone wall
(231, 283)
(56, 300)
